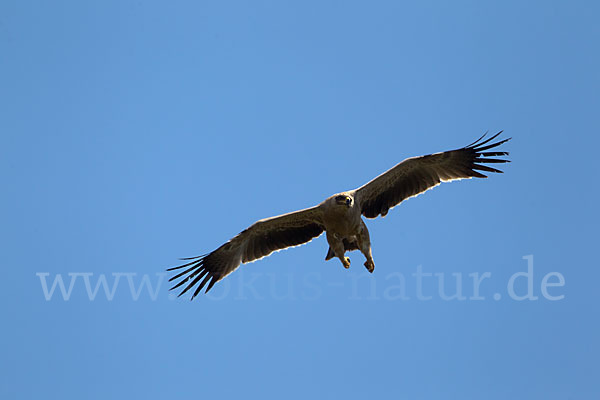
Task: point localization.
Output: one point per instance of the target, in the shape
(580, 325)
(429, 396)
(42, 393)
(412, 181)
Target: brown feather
(418, 174)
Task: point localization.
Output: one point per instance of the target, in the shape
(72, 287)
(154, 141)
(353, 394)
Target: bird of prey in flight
(340, 215)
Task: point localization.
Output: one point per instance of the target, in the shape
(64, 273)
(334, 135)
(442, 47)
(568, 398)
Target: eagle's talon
(370, 265)
(346, 262)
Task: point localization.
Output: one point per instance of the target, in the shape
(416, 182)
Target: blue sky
(134, 133)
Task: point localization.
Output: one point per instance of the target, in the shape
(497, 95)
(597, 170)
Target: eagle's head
(343, 200)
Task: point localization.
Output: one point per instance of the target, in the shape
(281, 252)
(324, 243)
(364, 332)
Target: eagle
(340, 215)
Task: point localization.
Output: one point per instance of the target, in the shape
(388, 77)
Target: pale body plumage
(340, 215)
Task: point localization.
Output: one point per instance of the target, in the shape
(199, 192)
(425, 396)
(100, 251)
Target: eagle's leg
(364, 244)
(337, 245)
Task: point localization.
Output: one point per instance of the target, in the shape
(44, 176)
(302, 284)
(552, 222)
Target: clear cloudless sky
(133, 133)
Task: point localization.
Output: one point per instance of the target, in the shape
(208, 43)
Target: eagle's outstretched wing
(258, 241)
(418, 174)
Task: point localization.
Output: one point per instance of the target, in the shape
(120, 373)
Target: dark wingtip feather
(211, 283)
(183, 273)
(479, 143)
(482, 167)
(179, 284)
(491, 160)
(475, 142)
(490, 146)
(494, 153)
(488, 140)
(199, 288)
(194, 281)
(198, 270)
(196, 259)
(476, 174)
(480, 156)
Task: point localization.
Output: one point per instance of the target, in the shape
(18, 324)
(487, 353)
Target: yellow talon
(346, 262)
